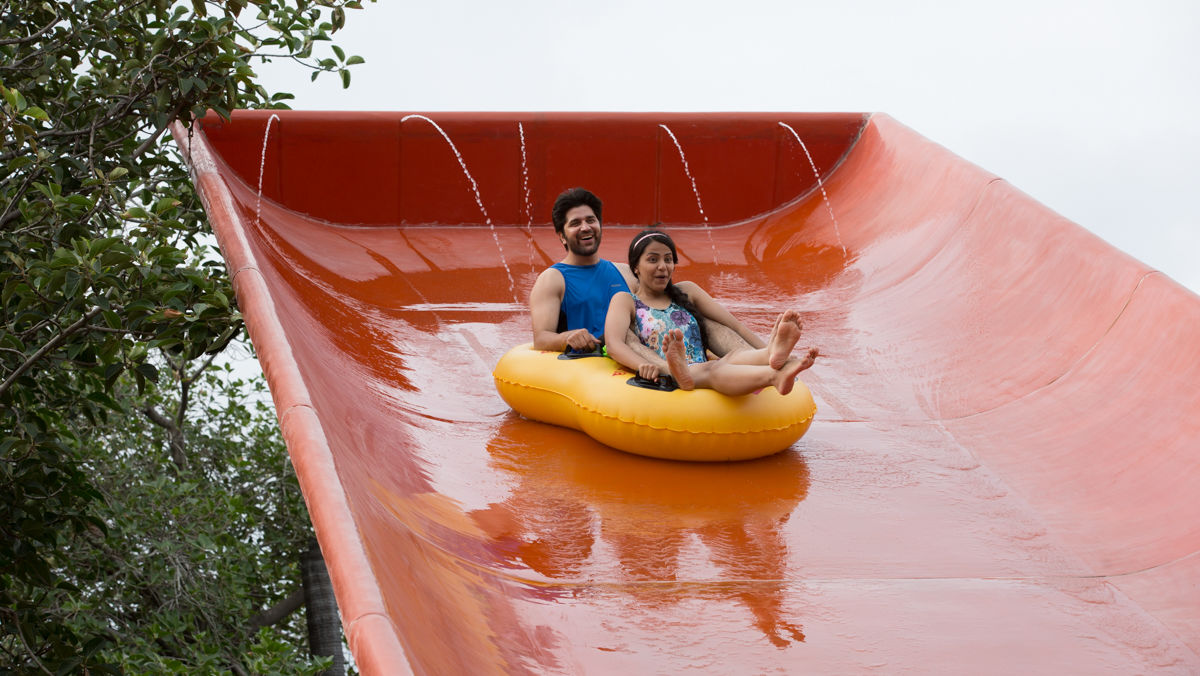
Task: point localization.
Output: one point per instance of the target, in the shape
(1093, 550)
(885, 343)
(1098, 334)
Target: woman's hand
(649, 371)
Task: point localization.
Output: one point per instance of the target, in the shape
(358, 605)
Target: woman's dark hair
(637, 246)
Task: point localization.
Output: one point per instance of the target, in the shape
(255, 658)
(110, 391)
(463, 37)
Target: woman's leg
(727, 375)
(779, 347)
(736, 379)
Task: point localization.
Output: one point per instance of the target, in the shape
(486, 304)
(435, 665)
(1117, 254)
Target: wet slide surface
(1002, 473)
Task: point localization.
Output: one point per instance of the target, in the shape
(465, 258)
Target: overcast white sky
(1090, 107)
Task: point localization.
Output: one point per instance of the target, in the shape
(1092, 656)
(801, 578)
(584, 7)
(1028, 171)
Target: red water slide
(1002, 476)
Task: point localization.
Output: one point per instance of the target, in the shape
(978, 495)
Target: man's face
(581, 233)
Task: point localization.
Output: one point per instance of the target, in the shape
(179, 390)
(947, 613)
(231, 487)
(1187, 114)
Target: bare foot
(677, 360)
(785, 380)
(783, 338)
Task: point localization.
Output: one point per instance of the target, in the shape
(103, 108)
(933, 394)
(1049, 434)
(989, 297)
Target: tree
(204, 529)
(106, 289)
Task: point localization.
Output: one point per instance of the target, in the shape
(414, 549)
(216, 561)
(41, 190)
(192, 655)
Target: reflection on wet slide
(1000, 477)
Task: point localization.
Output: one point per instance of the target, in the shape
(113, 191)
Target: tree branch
(174, 436)
(21, 634)
(153, 138)
(10, 209)
(195, 375)
(47, 348)
(185, 387)
(31, 38)
(278, 612)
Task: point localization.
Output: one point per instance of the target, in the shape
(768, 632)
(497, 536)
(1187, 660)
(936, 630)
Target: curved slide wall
(1000, 478)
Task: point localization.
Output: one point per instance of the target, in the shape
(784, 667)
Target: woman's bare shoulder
(690, 287)
(621, 299)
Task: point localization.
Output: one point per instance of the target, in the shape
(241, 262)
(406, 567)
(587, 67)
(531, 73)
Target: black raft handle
(571, 354)
(662, 384)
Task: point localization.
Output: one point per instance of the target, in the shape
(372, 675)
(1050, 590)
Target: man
(569, 300)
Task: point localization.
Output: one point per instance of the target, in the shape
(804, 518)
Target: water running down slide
(1000, 478)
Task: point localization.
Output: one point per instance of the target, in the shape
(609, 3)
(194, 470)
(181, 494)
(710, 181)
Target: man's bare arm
(725, 332)
(634, 342)
(630, 280)
(545, 303)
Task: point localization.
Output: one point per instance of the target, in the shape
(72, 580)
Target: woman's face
(655, 266)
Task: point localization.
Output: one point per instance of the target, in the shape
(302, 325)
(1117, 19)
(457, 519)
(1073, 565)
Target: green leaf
(111, 372)
(355, 59)
(81, 201)
(71, 288)
(19, 162)
(101, 245)
(139, 305)
(36, 113)
(148, 370)
(104, 399)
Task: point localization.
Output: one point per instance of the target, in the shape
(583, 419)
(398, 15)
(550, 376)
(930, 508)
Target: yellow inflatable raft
(595, 395)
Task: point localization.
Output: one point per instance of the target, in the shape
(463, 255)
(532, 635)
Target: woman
(664, 315)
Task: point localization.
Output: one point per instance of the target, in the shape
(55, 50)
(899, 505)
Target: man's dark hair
(568, 200)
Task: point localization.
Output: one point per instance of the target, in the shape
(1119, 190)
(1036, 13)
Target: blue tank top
(588, 291)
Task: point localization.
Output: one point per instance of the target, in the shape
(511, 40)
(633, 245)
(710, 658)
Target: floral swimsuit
(653, 325)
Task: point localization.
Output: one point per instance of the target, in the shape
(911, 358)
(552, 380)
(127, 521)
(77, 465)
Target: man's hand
(580, 340)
